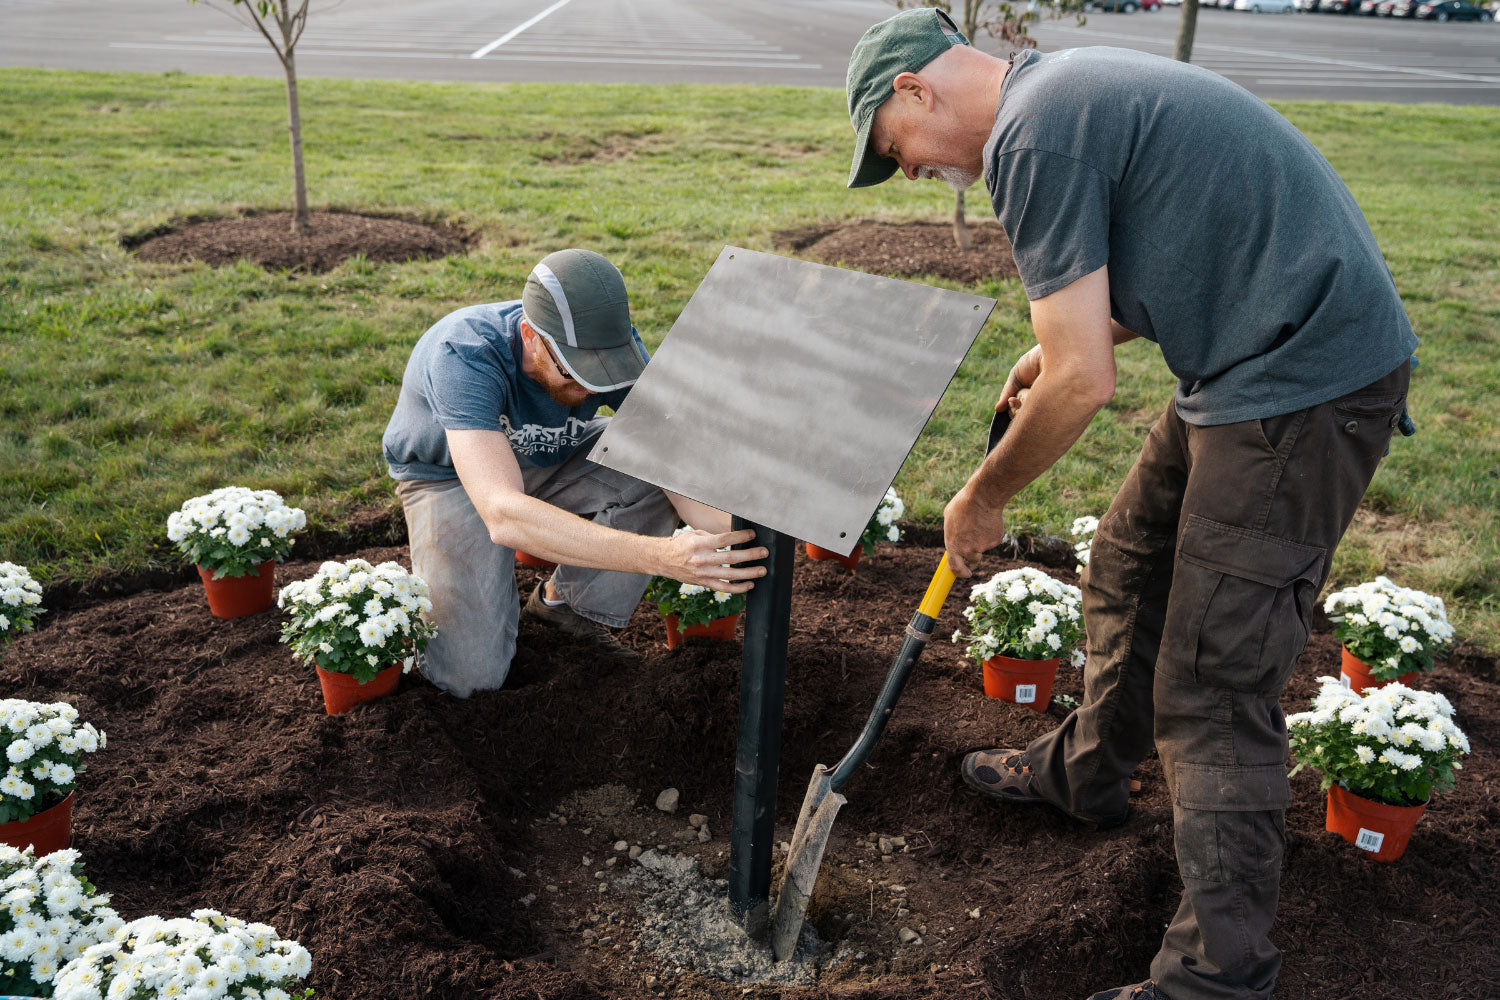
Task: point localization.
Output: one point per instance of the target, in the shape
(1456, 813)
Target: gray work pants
(475, 604)
(1196, 601)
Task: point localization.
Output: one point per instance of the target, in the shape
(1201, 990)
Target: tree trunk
(1187, 26)
(960, 224)
(294, 119)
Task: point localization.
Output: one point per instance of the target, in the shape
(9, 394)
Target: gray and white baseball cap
(575, 300)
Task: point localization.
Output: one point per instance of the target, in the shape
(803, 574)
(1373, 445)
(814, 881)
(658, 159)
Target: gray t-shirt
(465, 374)
(1231, 242)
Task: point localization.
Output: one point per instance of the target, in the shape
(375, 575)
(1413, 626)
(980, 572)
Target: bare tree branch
(301, 22)
(229, 12)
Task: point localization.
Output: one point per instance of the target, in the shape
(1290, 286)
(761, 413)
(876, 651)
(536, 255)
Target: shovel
(824, 798)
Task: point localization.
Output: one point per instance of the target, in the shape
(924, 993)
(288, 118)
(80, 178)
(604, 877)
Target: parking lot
(1321, 56)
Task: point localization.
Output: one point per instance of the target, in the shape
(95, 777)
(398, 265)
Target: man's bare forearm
(1057, 410)
(518, 521)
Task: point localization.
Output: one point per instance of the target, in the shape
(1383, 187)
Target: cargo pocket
(1230, 821)
(1237, 614)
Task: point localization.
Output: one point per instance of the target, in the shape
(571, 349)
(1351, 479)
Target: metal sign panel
(790, 393)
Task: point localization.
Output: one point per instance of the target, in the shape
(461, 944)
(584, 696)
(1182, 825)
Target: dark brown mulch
(424, 846)
(331, 238)
(906, 249)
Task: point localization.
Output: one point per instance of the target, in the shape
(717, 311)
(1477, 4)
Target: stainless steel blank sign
(790, 393)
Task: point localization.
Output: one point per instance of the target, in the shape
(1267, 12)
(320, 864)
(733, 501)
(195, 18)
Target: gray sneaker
(573, 625)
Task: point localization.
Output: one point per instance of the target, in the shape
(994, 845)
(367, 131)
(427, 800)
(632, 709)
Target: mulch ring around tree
(267, 239)
(427, 846)
(906, 249)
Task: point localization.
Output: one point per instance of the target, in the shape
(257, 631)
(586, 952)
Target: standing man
(489, 443)
(1272, 305)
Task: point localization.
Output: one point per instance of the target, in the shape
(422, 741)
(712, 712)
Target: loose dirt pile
(267, 239)
(906, 249)
(424, 846)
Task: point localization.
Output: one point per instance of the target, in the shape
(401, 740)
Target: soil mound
(267, 239)
(426, 846)
(906, 249)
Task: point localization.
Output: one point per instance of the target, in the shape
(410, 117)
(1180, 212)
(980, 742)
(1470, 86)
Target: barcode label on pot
(1346, 680)
(1025, 694)
(1369, 839)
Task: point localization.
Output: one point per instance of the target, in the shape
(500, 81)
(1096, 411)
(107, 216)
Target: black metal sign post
(768, 614)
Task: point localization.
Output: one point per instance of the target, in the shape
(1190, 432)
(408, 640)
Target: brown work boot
(570, 623)
(1140, 991)
(1002, 775)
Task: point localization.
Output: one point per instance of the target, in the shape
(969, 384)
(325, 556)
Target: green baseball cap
(900, 44)
(575, 300)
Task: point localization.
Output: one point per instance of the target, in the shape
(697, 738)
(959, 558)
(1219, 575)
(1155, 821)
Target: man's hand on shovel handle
(970, 527)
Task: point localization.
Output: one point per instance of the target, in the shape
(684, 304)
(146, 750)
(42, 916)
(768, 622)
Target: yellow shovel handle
(937, 590)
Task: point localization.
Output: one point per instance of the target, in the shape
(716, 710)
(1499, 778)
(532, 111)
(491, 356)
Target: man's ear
(527, 333)
(912, 89)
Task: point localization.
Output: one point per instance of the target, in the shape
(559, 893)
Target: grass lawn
(126, 387)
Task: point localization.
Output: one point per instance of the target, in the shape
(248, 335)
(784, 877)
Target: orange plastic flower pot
(342, 692)
(1371, 826)
(240, 596)
(535, 562)
(47, 831)
(1025, 682)
(820, 554)
(720, 628)
(1355, 674)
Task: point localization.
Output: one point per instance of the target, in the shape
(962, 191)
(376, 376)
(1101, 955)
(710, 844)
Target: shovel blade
(820, 807)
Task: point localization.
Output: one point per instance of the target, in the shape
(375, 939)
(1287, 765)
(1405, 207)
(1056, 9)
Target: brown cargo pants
(1196, 601)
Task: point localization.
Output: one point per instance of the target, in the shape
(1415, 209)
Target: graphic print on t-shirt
(533, 439)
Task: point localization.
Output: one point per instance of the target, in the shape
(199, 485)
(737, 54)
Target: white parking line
(512, 33)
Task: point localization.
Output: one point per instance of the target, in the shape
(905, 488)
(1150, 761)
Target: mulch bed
(267, 239)
(906, 249)
(424, 846)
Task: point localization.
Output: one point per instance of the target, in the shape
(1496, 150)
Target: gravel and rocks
(686, 923)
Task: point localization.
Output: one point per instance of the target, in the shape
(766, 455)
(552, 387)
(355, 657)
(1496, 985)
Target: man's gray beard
(957, 178)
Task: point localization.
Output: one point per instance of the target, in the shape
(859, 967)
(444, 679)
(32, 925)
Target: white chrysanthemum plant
(1083, 530)
(20, 601)
(206, 957)
(1026, 615)
(44, 749)
(49, 915)
(1393, 745)
(882, 527)
(355, 618)
(233, 530)
(689, 603)
(1392, 630)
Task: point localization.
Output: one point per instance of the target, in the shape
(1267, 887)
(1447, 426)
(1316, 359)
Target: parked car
(1452, 10)
(1369, 8)
(1383, 9)
(1309, 6)
(1405, 8)
(1337, 6)
(1266, 6)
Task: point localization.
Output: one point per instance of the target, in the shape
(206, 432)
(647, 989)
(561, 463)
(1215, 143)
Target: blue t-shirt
(465, 374)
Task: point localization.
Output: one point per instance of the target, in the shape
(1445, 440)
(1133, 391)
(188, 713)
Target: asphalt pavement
(806, 42)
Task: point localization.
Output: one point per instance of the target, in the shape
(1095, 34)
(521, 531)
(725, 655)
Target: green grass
(126, 387)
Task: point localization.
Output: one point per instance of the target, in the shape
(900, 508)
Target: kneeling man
(488, 444)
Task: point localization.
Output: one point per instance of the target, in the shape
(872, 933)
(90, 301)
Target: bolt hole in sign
(1369, 840)
(1025, 694)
